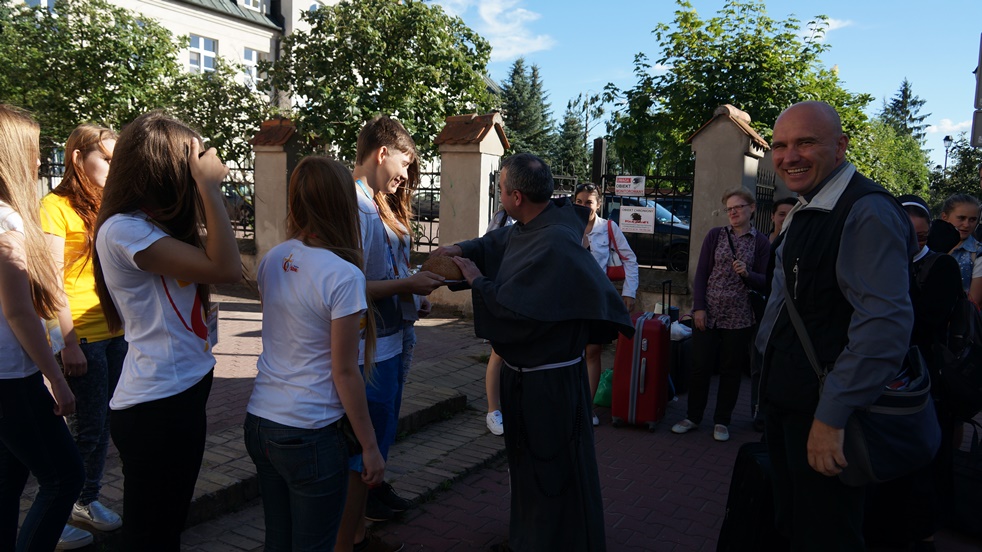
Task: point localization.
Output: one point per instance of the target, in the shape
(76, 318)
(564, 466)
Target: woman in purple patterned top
(733, 261)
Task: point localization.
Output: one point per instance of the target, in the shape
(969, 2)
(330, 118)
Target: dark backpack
(960, 357)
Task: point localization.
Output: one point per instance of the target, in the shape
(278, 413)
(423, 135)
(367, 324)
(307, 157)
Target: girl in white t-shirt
(314, 303)
(151, 268)
(33, 437)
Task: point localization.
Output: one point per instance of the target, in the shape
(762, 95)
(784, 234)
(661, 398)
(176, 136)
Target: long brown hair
(150, 173)
(83, 195)
(324, 213)
(19, 154)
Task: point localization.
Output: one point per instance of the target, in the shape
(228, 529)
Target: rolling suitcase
(640, 391)
(748, 523)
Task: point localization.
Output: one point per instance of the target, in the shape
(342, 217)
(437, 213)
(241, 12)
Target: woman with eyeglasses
(732, 262)
(601, 232)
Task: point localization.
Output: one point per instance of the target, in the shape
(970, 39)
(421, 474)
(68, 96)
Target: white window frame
(199, 54)
(250, 62)
(256, 5)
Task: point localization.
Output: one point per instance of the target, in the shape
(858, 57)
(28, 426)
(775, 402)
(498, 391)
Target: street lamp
(947, 146)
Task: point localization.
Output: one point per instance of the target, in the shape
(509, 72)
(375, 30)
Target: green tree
(360, 58)
(891, 158)
(571, 156)
(528, 121)
(85, 60)
(227, 112)
(740, 57)
(962, 176)
(902, 112)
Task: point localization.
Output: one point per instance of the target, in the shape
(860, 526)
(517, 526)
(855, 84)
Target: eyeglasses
(585, 188)
(736, 208)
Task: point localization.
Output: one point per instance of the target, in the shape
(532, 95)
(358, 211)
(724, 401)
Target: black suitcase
(748, 524)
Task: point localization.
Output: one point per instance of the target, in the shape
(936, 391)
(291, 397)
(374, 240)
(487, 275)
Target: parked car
(680, 206)
(668, 246)
(426, 204)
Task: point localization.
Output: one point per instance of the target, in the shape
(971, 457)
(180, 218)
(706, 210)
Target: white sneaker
(721, 433)
(72, 537)
(97, 515)
(684, 426)
(495, 424)
(596, 420)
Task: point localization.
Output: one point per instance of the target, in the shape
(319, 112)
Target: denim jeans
(384, 394)
(161, 444)
(89, 424)
(408, 346)
(303, 479)
(33, 439)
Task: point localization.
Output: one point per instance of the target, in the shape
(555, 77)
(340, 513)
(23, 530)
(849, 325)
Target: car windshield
(664, 215)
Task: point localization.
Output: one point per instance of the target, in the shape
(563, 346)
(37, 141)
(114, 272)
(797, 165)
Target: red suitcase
(641, 366)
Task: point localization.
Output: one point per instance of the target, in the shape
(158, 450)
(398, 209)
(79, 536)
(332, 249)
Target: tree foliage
(740, 57)
(902, 113)
(83, 61)
(892, 159)
(962, 176)
(227, 112)
(571, 156)
(360, 58)
(528, 120)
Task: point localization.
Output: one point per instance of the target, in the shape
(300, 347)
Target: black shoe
(375, 510)
(385, 494)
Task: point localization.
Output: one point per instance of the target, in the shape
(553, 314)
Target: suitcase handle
(666, 300)
(644, 371)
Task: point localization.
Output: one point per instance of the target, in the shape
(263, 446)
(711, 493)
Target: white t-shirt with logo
(15, 363)
(303, 290)
(163, 318)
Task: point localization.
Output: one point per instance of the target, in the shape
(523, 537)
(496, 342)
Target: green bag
(603, 388)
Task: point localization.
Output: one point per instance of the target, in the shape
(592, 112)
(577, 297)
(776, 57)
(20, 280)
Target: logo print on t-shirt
(289, 266)
(198, 326)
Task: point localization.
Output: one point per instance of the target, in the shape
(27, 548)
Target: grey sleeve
(875, 249)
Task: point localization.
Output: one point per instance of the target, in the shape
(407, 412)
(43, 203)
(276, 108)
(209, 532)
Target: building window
(250, 58)
(202, 54)
(253, 4)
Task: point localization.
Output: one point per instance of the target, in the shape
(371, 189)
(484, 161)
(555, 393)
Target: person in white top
(152, 270)
(33, 437)
(314, 302)
(599, 232)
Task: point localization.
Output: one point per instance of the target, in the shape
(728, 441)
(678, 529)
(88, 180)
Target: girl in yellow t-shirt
(93, 356)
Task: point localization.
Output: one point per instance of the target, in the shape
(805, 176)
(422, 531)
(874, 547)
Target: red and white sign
(629, 186)
(637, 220)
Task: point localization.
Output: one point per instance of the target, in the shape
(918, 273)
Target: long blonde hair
(19, 154)
(324, 213)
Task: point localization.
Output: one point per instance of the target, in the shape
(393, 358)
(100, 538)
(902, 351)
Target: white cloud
(831, 24)
(836, 24)
(505, 25)
(947, 126)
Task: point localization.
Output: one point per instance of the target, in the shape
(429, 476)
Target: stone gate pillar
(276, 155)
(471, 147)
(727, 154)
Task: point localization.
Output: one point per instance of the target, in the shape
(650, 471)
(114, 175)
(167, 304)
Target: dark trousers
(730, 349)
(552, 463)
(303, 479)
(34, 440)
(89, 424)
(161, 444)
(817, 512)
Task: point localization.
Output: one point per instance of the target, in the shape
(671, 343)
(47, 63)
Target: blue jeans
(89, 424)
(33, 439)
(384, 393)
(303, 479)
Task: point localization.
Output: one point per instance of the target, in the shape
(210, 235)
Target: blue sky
(582, 45)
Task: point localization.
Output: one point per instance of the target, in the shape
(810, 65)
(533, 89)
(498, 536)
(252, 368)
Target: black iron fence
(239, 189)
(426, 210)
